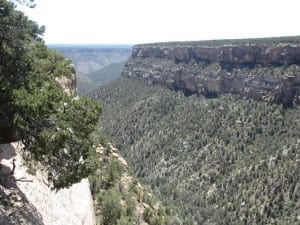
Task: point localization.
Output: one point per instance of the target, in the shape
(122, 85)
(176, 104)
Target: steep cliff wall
(27, 199)
(262, 70)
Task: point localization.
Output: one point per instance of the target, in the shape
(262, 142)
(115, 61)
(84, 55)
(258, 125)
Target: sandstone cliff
(27, 199)
(262, 69)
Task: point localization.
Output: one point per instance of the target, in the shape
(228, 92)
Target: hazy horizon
(122, 45)
(53, 45)
(133, 22)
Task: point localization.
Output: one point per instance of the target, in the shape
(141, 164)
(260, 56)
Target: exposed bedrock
(228, 56)
(263, 72)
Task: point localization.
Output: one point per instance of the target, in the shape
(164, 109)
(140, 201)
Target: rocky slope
(119, 198)
(263, 69)
(26, 197)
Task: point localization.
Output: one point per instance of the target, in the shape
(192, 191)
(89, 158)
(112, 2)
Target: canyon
(212, 127)
(259, 70)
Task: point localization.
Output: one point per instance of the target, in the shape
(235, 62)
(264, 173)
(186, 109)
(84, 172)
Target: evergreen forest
(222, 160)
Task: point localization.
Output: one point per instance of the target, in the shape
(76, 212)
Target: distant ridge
(53, 46)
(216, 42)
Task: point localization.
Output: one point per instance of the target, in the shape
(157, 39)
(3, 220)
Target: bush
(111, 208)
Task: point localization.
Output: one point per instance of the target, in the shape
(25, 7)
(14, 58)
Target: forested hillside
(107, 74)
(95, 65)
(95, 79)
(224, 160)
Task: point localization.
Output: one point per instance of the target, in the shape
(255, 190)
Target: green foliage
(130, 206)
(153, 217)
(105, 189)
(31, 171)
(16, 55)
(124, 221)
(113, 173)
(118, 197)
(111, 208)
(46, 124)
(213, 161)
(105, 75)
(53, 126)
(32, 168)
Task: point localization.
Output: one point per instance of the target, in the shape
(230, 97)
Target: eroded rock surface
(27, 199)
(269, 72)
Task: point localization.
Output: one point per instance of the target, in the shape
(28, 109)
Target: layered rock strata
(269, 72)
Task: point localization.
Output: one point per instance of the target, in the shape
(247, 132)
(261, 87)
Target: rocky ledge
(26, 198)
(262, 69)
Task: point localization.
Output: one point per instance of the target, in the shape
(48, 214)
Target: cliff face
(27, 199)
(229, 56)
(269, 72)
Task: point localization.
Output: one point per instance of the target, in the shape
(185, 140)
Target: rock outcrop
(229, 56)
(27, 199)
(263, 70)
(68, 84)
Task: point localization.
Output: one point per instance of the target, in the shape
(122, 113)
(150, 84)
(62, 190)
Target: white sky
(143, 21)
